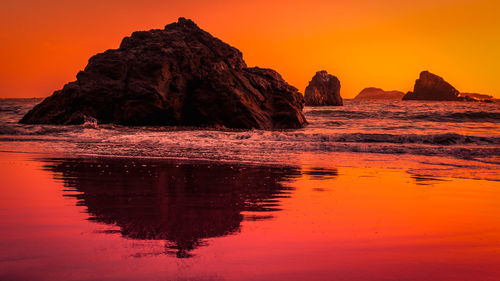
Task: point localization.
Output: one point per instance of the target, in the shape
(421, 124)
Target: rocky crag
(176, 76)
(323, 90)
(379, 94)
(432, 87)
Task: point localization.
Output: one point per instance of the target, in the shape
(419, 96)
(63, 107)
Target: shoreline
(410, 166)
(298, 222)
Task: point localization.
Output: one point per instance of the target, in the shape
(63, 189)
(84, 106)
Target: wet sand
(98, 218)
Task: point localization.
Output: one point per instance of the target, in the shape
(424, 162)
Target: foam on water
(450, 130)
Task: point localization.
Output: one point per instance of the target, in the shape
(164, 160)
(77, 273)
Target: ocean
(437, 137)
(367, 191)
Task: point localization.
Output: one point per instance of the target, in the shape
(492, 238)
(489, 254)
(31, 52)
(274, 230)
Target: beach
(98, 218)
(250, 140)
(364, 192)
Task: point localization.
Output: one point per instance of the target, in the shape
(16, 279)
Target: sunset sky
(383, 43)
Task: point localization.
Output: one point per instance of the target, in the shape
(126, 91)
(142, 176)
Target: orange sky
(384, 43)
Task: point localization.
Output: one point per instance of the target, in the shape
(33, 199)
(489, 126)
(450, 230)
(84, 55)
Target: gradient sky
(384, 43)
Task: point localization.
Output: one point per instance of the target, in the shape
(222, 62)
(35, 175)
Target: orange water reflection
(181, 203)
(237, 222)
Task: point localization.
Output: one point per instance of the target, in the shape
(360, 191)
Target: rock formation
(432, 87)
(178, 76)
(323, 89)
(379, 94)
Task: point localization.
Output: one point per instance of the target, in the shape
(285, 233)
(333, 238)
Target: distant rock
(478, 97)
(432, 87)
(177, 76)
(467, 98)
(379, 94)
(324, 89)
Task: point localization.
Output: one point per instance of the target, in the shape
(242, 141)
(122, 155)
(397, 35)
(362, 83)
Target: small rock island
(323, 90)
(372, 93)
(432, 87)
(176, 76)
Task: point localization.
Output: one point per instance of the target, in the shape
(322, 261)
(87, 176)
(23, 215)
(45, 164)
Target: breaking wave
(438, 129)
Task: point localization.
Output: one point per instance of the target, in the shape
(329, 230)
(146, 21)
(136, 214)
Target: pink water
(137, 219)
(367, 191)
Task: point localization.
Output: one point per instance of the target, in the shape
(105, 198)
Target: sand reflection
(181, 203)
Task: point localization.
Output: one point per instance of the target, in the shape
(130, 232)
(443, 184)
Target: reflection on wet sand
(426, 180)
(181, 203)
(321, 173)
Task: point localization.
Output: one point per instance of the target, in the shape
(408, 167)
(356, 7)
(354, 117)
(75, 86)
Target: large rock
(432, 87)
(379, 94)
(179, 76)
(324, 89)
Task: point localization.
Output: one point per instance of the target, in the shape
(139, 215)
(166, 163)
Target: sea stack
(323, 90)
(379, 94)
(176, 76)
(432, 87)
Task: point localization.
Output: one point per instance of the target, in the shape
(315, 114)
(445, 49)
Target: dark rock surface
(178, 76)
(379, 94)
(432, 87)
(323, 89)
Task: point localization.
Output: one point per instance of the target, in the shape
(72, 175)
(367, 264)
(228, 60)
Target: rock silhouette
(177, 76)
(379, 94)
(323, 90)
(432, 87)
(180, 203)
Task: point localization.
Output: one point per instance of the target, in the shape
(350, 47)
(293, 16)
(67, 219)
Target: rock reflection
(182, 203)
(321, 173)
(425, 180)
